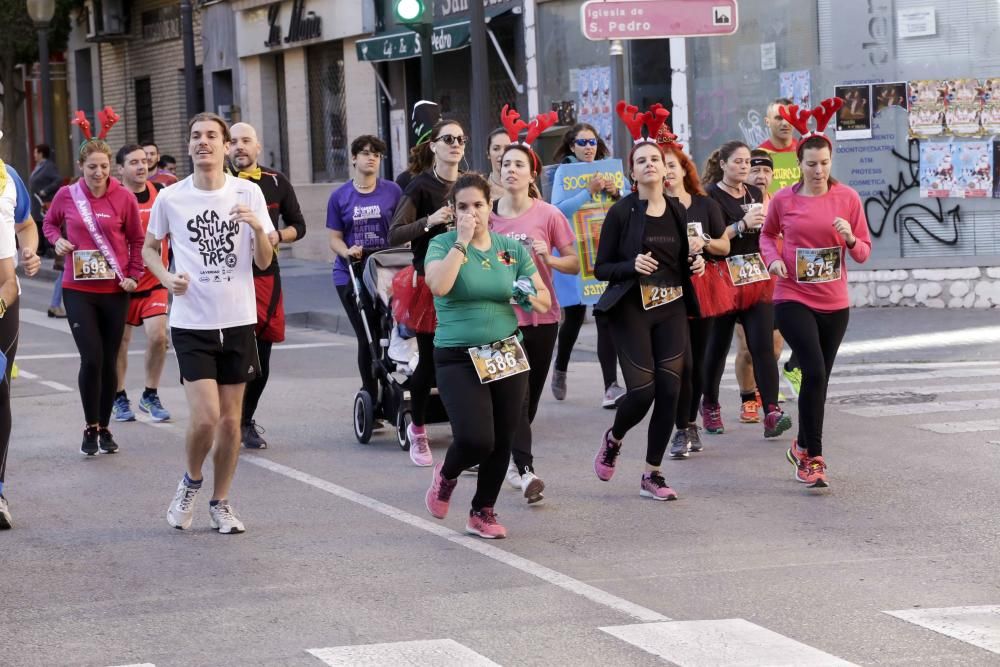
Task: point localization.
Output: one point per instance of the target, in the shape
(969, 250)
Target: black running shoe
(90, 438)
(251, 436)
(107, 442)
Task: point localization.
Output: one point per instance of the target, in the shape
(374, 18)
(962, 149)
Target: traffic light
(411, 11)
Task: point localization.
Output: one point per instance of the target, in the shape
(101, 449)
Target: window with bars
(327, 111)
(144, 109)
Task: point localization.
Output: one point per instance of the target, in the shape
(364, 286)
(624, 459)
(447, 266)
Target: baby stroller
(394, 357)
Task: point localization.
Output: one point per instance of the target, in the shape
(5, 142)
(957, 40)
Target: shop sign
(406, 44)
(450, 9)
(657, 19)
(303, 25)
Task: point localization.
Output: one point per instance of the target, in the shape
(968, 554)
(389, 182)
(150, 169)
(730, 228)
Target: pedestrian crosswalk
(437, 652)
(979, 626)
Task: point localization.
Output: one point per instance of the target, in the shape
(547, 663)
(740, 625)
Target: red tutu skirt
(714, 290)
(754, 293)
(412, 301)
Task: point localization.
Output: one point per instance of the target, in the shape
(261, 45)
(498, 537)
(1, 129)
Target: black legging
(423, 378)
(815, 338)
(255, 387)
(481, 416)
(538, 343)
(98, 323)
(368, 381)
(8, 344)
(758, 326)
(699, 329)
(569, 331)
(653, 350)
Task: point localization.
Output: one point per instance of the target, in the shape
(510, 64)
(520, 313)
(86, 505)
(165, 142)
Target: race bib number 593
(499, 360)
(818, 265)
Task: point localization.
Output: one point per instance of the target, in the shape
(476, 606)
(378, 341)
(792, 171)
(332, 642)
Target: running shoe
(6, 523)
(513, 476)
(57, 311)
(607, 455)
(794, 377)
(484, 524)
(151, 405)
(181, 510)
(750, 412)
(14, 371)
(694, 440)
(106, 441)
(90, 446)
(796, 455)
(756, 397)
(439, 495)
(532, 487)
(655, 487)
(420, 448)
(613, 396)
(222, 518)
(711, 418)
(813, 473)
(679, 446)
(121, 411)
(559, 385)
(776, 422)
(251, 436)
(781, 397)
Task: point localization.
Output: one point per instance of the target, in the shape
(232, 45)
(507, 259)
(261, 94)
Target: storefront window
(327, 110)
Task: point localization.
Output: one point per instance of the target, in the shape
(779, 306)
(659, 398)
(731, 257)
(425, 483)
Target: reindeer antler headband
(512, 122)
(799, 118)
(665, 136)
(107, 118)
(653, 120)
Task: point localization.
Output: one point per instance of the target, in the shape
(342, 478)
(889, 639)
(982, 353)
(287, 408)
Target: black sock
(120, 394)
(149, 391)
(748, 396)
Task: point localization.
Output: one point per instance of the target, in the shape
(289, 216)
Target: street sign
(657, 19)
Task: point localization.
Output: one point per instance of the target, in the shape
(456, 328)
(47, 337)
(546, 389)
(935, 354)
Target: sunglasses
(585, 142)
(451, 139)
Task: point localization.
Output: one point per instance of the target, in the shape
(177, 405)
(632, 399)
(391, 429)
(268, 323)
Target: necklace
(364, 188)
(739, 188)
(443, 181)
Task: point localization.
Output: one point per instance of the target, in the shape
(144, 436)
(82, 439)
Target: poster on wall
(996, 169)
(937, 170)
(974, 167)
(570, 181)
(887, 95)
(796, 87)
(595, 105)
(927, 107)
(854, 120)
(990, 117)
(965, 104)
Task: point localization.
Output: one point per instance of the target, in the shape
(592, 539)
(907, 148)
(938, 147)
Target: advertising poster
(996, 169)
(990, 117)
(965, 104)
(973, 167)
(888, 95)
(795, 86)
(854, 120)
(927, 101)
(937, 170)
(569, 180)
(786, 171)
(595, 105)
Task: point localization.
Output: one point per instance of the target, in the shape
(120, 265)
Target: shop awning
(402, 43)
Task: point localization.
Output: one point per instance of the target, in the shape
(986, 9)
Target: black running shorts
(228, 356)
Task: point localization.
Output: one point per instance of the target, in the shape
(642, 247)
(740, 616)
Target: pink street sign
(657, 19)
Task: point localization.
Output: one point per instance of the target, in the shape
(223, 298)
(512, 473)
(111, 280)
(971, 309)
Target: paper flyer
(937, 170)
(973, 167)
(888, 95)
(989, 120)
(996, 169)
(854, 120)
(795, 86)
(927, 108)
(595, 106)
(965, 104)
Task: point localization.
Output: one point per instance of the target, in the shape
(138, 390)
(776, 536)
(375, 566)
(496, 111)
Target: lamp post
(41, 13)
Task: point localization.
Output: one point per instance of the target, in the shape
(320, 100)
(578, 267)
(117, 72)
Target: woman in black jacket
(644, 256)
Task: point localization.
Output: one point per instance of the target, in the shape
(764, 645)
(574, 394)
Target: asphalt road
(341, 564)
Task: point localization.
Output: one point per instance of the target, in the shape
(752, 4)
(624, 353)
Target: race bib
(91, 265)
(747, 269)
(655, 294)
(818, 265)
(695, 229)
(499, 360)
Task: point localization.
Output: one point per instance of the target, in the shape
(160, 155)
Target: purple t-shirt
(363, 218)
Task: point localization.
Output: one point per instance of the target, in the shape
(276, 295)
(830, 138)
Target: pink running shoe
(655, 487)
(797, 457)
(607, 455)
(776, 422)
(813, 473)
(711, 418)
(439, 495)
(420, 449)
(484, 524)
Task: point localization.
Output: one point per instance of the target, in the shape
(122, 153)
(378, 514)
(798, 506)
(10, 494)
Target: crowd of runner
(494, 298)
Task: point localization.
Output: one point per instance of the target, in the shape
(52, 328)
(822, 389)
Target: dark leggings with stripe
(8, 344)
(98, 323)
(653, 350)
(699, 330)
(758, 325)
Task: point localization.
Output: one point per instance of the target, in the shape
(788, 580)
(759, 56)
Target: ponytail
(713, 170)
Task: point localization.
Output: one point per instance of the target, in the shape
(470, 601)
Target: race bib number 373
(818, 265)
(746, 269)
(499, 360)
(91, 265)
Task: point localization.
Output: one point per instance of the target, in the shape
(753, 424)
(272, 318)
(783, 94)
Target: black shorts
(228, 356)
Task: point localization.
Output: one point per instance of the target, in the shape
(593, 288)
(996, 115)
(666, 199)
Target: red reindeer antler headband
(106, 116)
(799, 118)
(653, 120)
(664, 135)
(512, 122)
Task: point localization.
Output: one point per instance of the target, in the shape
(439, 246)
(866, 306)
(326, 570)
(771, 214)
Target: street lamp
(41, 13)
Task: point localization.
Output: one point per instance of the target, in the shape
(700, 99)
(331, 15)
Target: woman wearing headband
(103, 250)
(821, 220)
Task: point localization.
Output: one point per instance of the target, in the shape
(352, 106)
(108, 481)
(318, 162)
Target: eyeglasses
(369, 154)
(585, 142)
(451, 139)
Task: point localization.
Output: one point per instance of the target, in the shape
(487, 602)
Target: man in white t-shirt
(218, 227)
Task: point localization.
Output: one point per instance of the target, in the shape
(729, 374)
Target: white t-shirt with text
(215, 253)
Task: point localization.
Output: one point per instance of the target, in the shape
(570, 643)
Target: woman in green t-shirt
(475, 275)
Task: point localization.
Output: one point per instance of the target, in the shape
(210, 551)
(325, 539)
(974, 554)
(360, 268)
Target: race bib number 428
(746, 269)
(499, 360)
(91, 265)
(818, 265)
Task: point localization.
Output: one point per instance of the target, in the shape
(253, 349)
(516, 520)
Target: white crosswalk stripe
(438, 652)
(732, 642)
(906, 380)
(979, 626)
(950, 428)
(923, 408)
(928, 389)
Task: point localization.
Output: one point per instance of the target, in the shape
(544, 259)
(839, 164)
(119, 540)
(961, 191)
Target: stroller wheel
(403, 421)
(364, 416)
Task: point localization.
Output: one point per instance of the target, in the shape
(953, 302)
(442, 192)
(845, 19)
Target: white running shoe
(532, 487)
(420, 448)
(513, 476)
(181, 510)
(5, 521)
(223, 519)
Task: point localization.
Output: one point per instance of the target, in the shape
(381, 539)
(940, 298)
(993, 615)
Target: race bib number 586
(818, 265)
(499, 360)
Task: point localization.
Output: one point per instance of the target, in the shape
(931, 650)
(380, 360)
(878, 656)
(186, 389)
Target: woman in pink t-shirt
(821, 220)
(522, 215)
